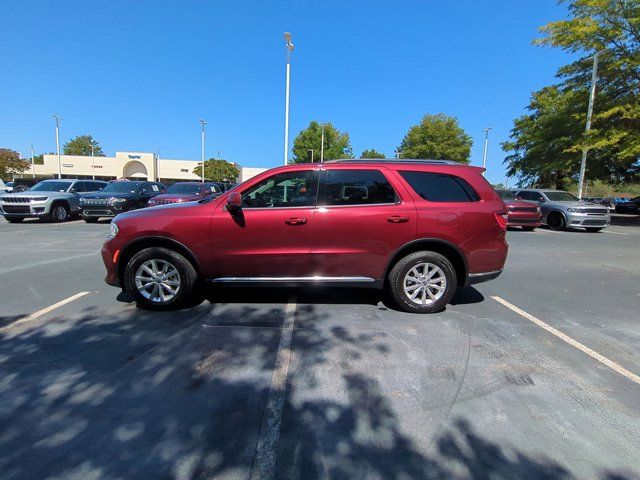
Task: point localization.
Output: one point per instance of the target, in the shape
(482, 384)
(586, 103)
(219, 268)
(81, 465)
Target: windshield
(50, 186)
(506, 195)
(561, 197)
(122, 187)
(190, 188)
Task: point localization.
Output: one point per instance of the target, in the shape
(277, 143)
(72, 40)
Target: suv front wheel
(422, 282)
(159, 278)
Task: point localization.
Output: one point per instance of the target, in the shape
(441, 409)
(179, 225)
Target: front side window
(288, 189)
(357, 187)
(440, 187)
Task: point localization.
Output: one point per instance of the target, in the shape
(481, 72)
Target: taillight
(501, 218)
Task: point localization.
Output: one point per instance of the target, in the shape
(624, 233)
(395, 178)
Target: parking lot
(533, 375)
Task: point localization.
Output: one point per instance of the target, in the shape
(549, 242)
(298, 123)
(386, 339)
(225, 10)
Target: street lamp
(289, 46)
(93, 163)
(486, 144)
(203, 123)
(322, 143)
(592, 94)
(33, 165)
(58, 118)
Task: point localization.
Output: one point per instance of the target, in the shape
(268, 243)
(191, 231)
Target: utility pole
(158, 164)
(33, 165)
(289, 46)
(322, 144)
(93, 163)
(58, 118)
(486, 144)
(592, 94)
(202, 142)
(311, 150)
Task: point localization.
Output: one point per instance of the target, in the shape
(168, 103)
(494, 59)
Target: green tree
(336, 143)
(437, 137)
(81, 145)
(372, 153)
(218, 170)
(11, 163)
(611, 28)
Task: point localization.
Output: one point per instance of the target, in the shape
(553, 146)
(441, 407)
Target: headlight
(117, 200)
(113, 230)
(538, 210)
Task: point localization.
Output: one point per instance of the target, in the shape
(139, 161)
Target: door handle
(295, 221)
(397, 219)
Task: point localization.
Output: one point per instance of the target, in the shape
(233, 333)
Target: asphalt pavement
(533, 375)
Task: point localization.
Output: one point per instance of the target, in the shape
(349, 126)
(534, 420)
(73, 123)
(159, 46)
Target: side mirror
(234, 202)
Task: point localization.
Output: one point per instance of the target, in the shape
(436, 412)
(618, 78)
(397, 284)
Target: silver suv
(562, 210)
(55, 200)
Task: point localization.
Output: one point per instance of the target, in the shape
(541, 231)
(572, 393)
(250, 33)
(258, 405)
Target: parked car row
(530, 207)
(59, 200)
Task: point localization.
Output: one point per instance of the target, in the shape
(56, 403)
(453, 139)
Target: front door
(271, 236)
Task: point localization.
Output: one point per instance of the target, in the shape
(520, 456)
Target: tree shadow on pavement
(133, 394)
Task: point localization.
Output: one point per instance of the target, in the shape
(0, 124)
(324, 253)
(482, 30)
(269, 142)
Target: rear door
(361, 220)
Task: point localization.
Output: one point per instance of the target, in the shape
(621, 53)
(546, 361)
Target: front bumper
(587, 220)
(24, 210)
(524, 219)
(108, 257)
(98, 211)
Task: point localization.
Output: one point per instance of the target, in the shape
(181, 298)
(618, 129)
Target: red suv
(420, 228)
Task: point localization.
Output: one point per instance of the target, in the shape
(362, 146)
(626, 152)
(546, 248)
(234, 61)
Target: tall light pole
(311, 150)
(592, 94)
(203, 123)
(322, 144)
(58, 118)
(289, 46)
(33, 165)
(486, 144)
(93, 163)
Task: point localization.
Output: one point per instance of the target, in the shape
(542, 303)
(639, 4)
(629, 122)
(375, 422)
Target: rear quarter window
(440, 187)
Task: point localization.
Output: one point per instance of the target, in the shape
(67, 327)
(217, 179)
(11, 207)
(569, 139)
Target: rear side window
(357, 187)
(440, 187)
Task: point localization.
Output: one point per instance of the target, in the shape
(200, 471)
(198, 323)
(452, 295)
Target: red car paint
(199, 190)
(323, 240)
(522, 214)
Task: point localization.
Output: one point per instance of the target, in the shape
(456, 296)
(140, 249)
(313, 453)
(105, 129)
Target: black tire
(528, 229)
(14, 219)
(593, 229)
(59, 212)
(187, 277)
(90, 219)
(400, 270)
(556, 221)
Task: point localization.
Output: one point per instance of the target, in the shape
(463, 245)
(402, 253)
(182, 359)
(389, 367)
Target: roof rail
(394, 160)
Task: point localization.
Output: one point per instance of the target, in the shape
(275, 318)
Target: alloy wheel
(60, 213)
(424, 284)
(158, 281)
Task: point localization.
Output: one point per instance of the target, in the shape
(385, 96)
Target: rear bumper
(474, 278)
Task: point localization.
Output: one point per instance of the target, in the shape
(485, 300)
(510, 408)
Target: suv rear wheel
(159, 278)
(422, 282)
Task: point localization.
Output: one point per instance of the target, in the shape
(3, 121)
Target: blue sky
(138, 75)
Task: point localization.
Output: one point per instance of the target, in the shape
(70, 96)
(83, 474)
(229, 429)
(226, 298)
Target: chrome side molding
(317, 278)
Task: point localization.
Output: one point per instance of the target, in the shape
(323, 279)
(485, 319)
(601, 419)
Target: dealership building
(130, 165)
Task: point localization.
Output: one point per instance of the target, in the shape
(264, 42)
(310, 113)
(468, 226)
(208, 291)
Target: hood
(185, 197)
(170, 209)
(519, 204)
(575, 204)
(110, 195)
(29, 194)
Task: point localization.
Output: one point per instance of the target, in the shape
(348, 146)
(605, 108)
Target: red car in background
(520, 213)
(186, 192)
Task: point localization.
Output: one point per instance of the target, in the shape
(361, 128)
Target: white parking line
(4, 271)
(617, 233)
(265, 458)
(46, 310)
(593, 354)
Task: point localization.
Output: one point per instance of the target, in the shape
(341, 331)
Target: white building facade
(131, 165)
